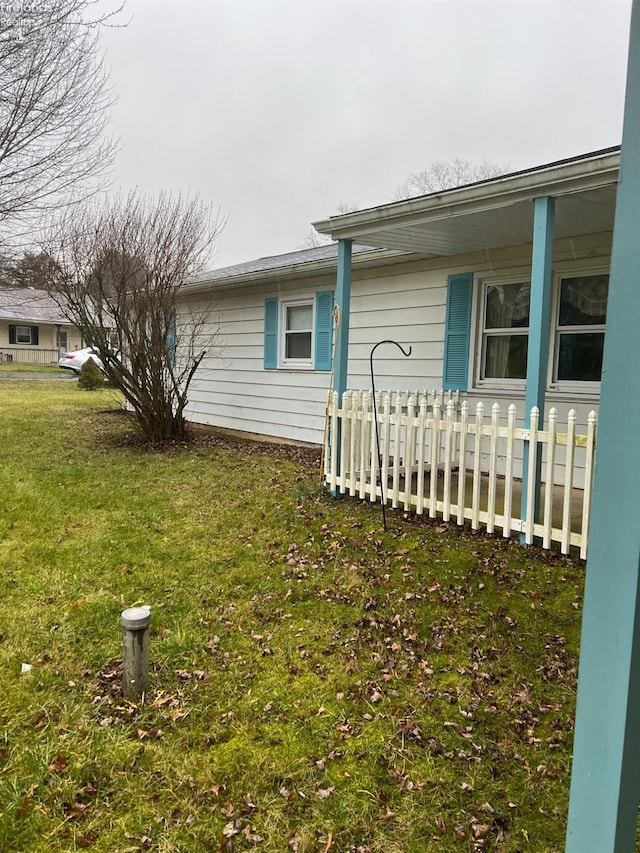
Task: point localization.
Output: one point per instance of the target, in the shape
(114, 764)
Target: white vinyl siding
(405, 302)
(231, 388)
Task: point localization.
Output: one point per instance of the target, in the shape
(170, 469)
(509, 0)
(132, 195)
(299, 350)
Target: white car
(74, 360)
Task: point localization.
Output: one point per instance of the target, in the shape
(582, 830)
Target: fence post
(435, 456)
(448, 459)
(493, 467)
(462, 463)
(409, 450)
(588, 482)
(477, 467)
(508, 471)
(550, 478)
(531, 484)
(374, 438)
(397, 444)
(135, 623)
(568, 480)
(333, 449)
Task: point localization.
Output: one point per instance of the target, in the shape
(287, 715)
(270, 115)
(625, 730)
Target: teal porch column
(539, 320)
(343, 300)
(605, 780)
(341, 356)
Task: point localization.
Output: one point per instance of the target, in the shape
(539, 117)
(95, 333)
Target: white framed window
(580, 314)
(298, 332)
(503, 334)
(297, 324)
(23, 335)
(487, 323)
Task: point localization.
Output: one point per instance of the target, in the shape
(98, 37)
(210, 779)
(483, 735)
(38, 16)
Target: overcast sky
(276, 111)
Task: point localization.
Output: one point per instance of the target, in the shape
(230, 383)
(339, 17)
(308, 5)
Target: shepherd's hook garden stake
(383, 492)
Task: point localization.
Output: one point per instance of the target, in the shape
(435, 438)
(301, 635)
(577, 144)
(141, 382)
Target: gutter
(557, 179)
(325, 266)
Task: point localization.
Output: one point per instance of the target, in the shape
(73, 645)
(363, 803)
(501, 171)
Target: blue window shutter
(12, 334)
(171, 338)
(270, 334)
(457, 332)
(324, 330)
(34, 336)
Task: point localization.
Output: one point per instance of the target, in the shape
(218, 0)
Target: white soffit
(493, 215)
(583, 213)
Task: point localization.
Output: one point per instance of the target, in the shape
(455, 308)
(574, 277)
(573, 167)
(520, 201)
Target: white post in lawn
(135, 623)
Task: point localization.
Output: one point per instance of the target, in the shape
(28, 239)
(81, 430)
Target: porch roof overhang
(490, 214)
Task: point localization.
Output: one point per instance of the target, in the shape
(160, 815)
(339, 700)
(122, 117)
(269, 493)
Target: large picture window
(505, 330)
(581, 317)
(500, 333)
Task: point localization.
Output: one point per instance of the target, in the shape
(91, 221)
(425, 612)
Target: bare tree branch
(120, 265)
(54, 109)
(444, 175)
(313, 238)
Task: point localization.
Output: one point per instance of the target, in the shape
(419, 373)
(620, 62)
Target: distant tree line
(31, 269)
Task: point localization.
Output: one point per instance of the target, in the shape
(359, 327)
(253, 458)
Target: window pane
(583, 300)
(580, 357)
(506, 357)
(298, 345)
(507, 306)
(299, 318)
(23, 334)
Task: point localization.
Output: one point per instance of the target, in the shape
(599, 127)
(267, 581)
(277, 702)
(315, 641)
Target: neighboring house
(448, 274)
(33, 329)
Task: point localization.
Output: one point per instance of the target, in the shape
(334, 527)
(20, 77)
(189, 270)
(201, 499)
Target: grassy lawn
(32, 368)
(317, 684)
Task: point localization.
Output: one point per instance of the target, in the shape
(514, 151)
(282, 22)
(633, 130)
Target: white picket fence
(439, 458)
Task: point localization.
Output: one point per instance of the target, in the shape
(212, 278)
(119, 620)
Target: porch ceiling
(491, 215)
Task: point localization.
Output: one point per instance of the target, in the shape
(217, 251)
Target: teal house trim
(343, 301)
(271, 333)
(539, 323)
(323, 330)
(605, 779)
(457, 333)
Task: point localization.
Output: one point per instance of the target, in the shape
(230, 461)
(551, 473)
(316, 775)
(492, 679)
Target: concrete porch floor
(577, 497)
